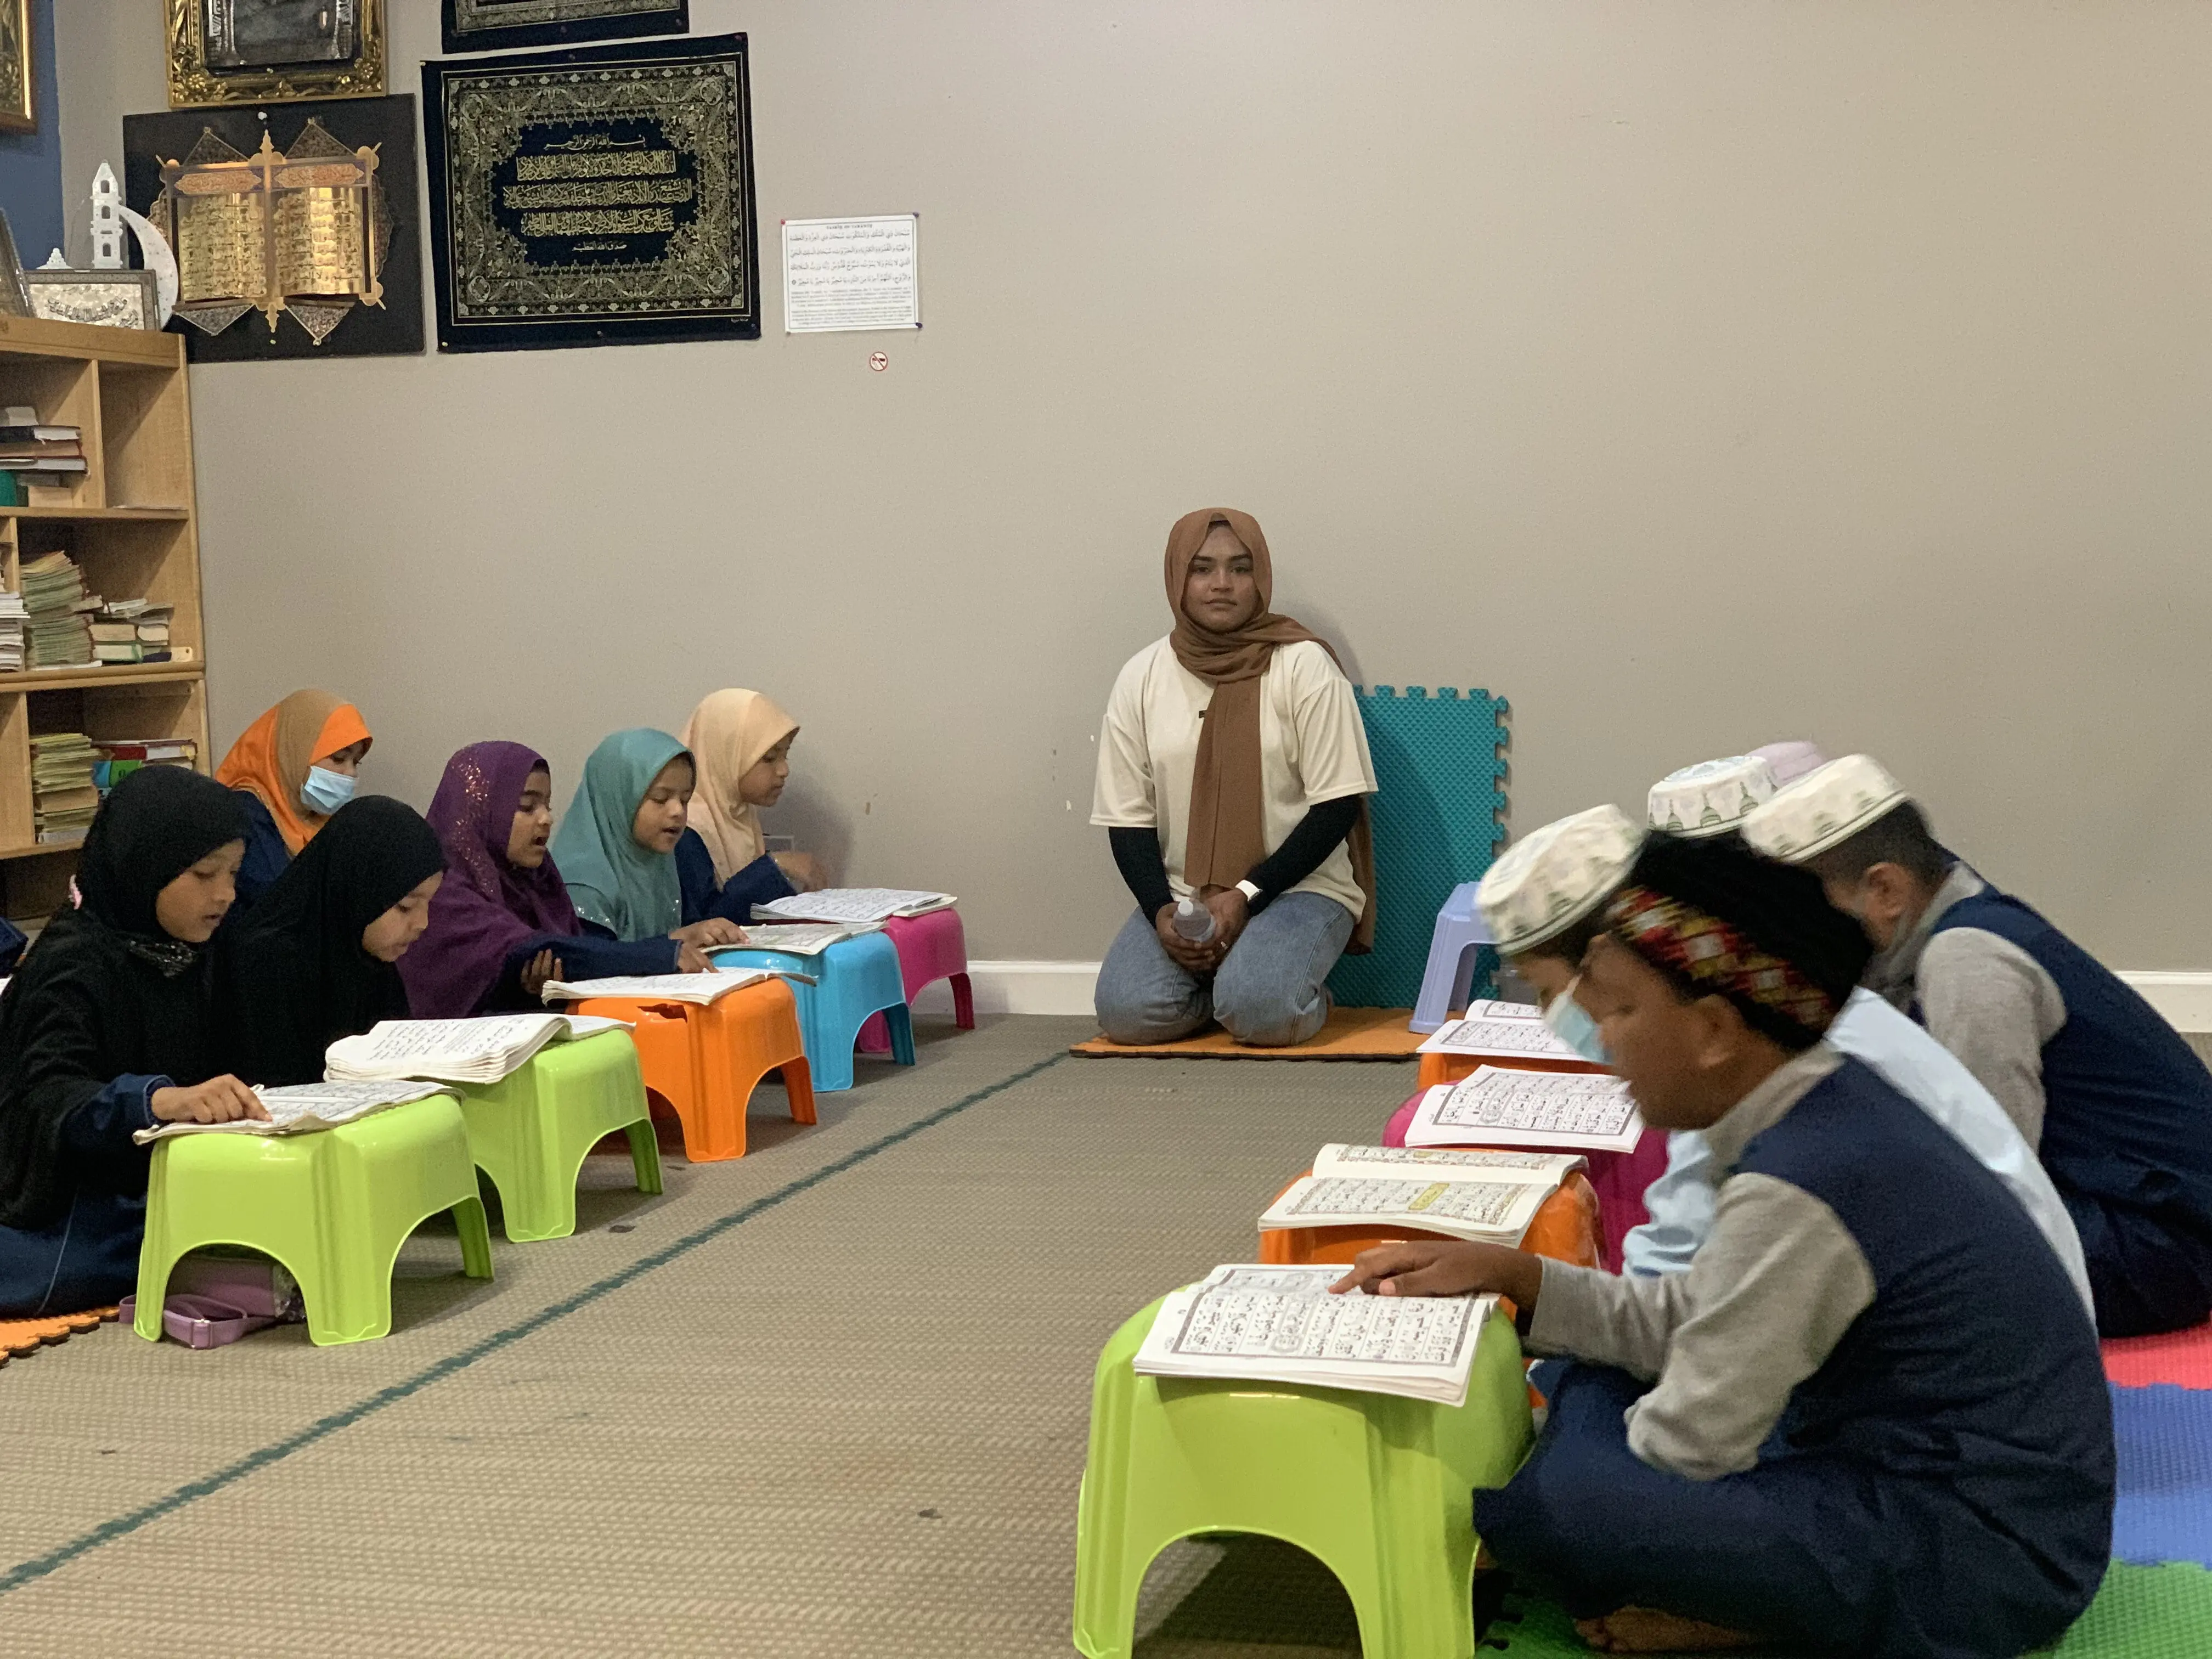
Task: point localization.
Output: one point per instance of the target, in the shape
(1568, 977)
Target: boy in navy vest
(2117, 1104)
(1871, 1418)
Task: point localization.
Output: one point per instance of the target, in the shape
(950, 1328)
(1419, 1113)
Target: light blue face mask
(1570, 1023)
(325, 790)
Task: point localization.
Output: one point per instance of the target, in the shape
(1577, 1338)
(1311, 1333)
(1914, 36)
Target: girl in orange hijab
(294, 766)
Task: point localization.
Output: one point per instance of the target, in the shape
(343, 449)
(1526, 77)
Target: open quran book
(854, 904)
(1499, 1031)
(301, 1107)
(802, 938)
(482, 1050)
(1496, 1107)
(1281, 1325)
(1489, 1196)
(699, 988)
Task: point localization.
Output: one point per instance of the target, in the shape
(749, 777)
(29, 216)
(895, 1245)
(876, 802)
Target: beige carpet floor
(829, 1400)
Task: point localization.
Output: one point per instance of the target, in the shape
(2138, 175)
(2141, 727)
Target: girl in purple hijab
(502, 925)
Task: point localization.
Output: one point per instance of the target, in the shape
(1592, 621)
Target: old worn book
(482, 1050)
(703, 989)
(300, 1109)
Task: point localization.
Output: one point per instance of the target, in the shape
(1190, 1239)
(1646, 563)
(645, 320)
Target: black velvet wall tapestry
(598, 197)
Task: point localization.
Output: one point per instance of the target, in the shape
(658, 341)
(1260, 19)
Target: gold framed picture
(18, 74)
(271, 52)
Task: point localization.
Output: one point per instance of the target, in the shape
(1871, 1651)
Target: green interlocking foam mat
(2141, 1612)
(1440, 766)
(2145, 1613)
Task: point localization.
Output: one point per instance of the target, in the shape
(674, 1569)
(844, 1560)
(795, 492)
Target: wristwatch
(1251, 893)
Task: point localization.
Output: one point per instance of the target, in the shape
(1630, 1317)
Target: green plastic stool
(1380, 1490)
(333, 1207)
(531, 1132)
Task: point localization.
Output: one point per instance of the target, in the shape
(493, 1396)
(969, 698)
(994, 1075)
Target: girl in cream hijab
(742, 744)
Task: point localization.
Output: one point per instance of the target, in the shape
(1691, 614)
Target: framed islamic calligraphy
(18, 72)
(273, 52)
(598, 197)
(503, 25)
(294, 230)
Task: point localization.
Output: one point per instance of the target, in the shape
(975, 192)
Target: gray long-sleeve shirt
(1779, 1282)
(1982, 997)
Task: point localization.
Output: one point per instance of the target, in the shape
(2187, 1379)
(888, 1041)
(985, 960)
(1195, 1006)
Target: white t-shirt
(1313, 748)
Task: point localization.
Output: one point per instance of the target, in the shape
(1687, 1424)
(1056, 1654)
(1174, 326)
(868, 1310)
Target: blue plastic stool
(855, 978)
(1460, 935)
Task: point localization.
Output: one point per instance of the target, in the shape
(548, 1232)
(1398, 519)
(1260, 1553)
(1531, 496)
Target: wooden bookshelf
(130, 523)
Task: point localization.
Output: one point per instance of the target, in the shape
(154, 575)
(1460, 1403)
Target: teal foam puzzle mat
(1441, 769)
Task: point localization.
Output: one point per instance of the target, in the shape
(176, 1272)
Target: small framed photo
(18, 74)
(105, 299)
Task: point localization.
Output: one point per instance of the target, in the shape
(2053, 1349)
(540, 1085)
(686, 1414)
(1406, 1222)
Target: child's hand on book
(1434, 1267)
(219, 1100)
(715, 934)
(538, 971)
(690, 959)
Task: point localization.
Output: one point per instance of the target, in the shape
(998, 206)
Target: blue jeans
(1268, 990)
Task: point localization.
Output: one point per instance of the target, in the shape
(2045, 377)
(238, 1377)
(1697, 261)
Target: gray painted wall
(1693, 373)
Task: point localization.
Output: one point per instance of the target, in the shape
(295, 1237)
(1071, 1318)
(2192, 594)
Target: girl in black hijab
(105, 1032)
(314, 961)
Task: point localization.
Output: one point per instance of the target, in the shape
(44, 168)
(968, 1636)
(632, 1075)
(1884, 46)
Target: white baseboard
(1066, 988)
(1019, 988)
(2186, 998)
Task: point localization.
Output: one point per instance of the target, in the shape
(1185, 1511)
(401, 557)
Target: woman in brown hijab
(1233, 773)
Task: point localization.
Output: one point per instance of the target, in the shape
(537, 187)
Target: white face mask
(325, 790)
(1571, 1023)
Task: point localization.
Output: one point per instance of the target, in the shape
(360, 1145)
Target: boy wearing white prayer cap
(1722, 795)
(2116, 1105)
(1545, 901)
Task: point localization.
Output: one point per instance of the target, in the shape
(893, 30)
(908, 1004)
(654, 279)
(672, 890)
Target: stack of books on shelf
(36, 454)
(131, 630)
(12, 618)
(64, 796)
(119, 759)
(54, 594)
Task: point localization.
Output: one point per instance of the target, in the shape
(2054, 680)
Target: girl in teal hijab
(617, 845)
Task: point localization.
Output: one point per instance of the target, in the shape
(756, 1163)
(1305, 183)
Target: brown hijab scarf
(1227, 827)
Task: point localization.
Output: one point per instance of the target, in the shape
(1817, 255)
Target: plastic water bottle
(1193, 920)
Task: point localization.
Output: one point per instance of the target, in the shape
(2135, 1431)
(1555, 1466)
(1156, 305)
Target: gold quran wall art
(503, 25)
(18, 69)
(603, 196)
(286, 227)
(269, 52)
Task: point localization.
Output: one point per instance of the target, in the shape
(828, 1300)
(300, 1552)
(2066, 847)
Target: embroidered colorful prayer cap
(1720, 921)
(1554, 876)
(1824, 809)
(1712, 797)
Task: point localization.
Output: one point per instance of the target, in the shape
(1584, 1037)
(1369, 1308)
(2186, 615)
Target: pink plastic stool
(930, 947)
(1619, 1179)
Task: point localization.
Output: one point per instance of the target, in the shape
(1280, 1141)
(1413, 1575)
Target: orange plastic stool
(703, 1064)
(1565, 1228)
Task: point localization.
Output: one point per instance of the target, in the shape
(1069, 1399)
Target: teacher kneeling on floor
(1232, 770)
